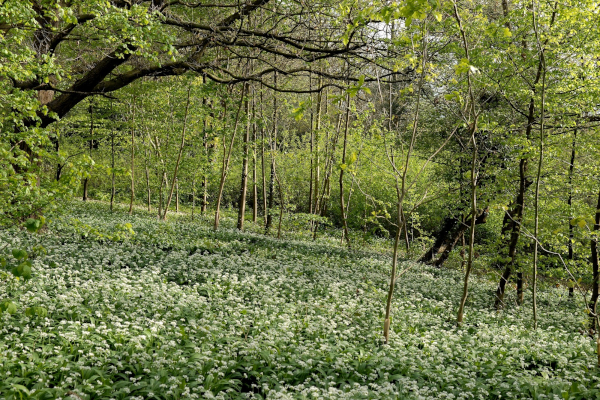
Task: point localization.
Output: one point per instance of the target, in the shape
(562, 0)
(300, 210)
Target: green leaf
(33, 225)
(36, 312)
(19, 254)
(8, 306)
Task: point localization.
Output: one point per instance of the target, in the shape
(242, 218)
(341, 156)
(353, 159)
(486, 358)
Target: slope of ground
(178, 311)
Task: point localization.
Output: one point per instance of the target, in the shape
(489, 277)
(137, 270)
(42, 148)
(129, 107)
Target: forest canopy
(461, 134)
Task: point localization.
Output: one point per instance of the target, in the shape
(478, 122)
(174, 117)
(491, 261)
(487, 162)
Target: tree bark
(343, 167)
(226, 158)
(570, 204)
(148, 194)
(273, 149)
(446, 239)
(112, 165)
(132, 158)
(176, 194)
(511, 225)
(244, 183)
(254, 175)
(174, 180)
(262, 162)
(595, 266)
(86, 180)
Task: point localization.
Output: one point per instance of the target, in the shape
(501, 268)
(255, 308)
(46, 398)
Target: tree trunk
(343, 167)
(472, 121)
(244, 183)
(570, 203)
(511, 225)
(226, 158)
(595, 266)
(174, 180)
(536, 201)
(312, 146)
(317, 158)
(147, 153)
(273, 148)
(177, 195)
(132, 158)
(262, 162)
(112, 165)
(86, 180)
(448, 236)
(206, 153)
(512, 220)
(254, 182)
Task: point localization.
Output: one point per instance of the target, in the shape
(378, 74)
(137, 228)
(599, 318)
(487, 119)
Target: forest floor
(127, 307)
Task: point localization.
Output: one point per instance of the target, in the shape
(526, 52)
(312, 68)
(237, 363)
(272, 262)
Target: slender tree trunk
(147, 153)
(112, 165)
(570, 203)
(388, 304)
(174, 180)
(132, 158)
(176, 194)
(273, 148)
(511, 227)
(317, 158)
(595, 268)
(262, 162)
(87, 180)
(473, 124)
(163, 185)
(536, 204)
(281, 205)
(226, 158)
(254, 183)
(312, 146)
(512, 219)
(59, 166)
(401, 192)
(244, 184)
(343, 167)
(204, 183)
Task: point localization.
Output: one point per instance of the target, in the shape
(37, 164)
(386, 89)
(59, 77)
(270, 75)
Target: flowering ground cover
(122, 307)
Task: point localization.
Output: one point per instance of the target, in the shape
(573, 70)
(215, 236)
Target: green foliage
(181, 310)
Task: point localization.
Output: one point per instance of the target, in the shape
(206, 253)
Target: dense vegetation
(177, 310)
(278, 163)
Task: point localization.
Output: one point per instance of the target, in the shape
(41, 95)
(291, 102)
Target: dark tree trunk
(112, 165)
(254, 183)
(244, 183)
(446, 239)
(273, 148)
(570, 203)
(520, 294)
(595, 265)
(132, 158)
(512, 225)
(86, 180)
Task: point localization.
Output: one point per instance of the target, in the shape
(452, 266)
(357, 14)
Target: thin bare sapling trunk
(112, 166)
(400, 192)
(182, 143)
(226, 159)
(254, 175)
(472, 122)
(342, 170)
(244, 183)
(86, 181)
(536, 205)
(132, 157)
